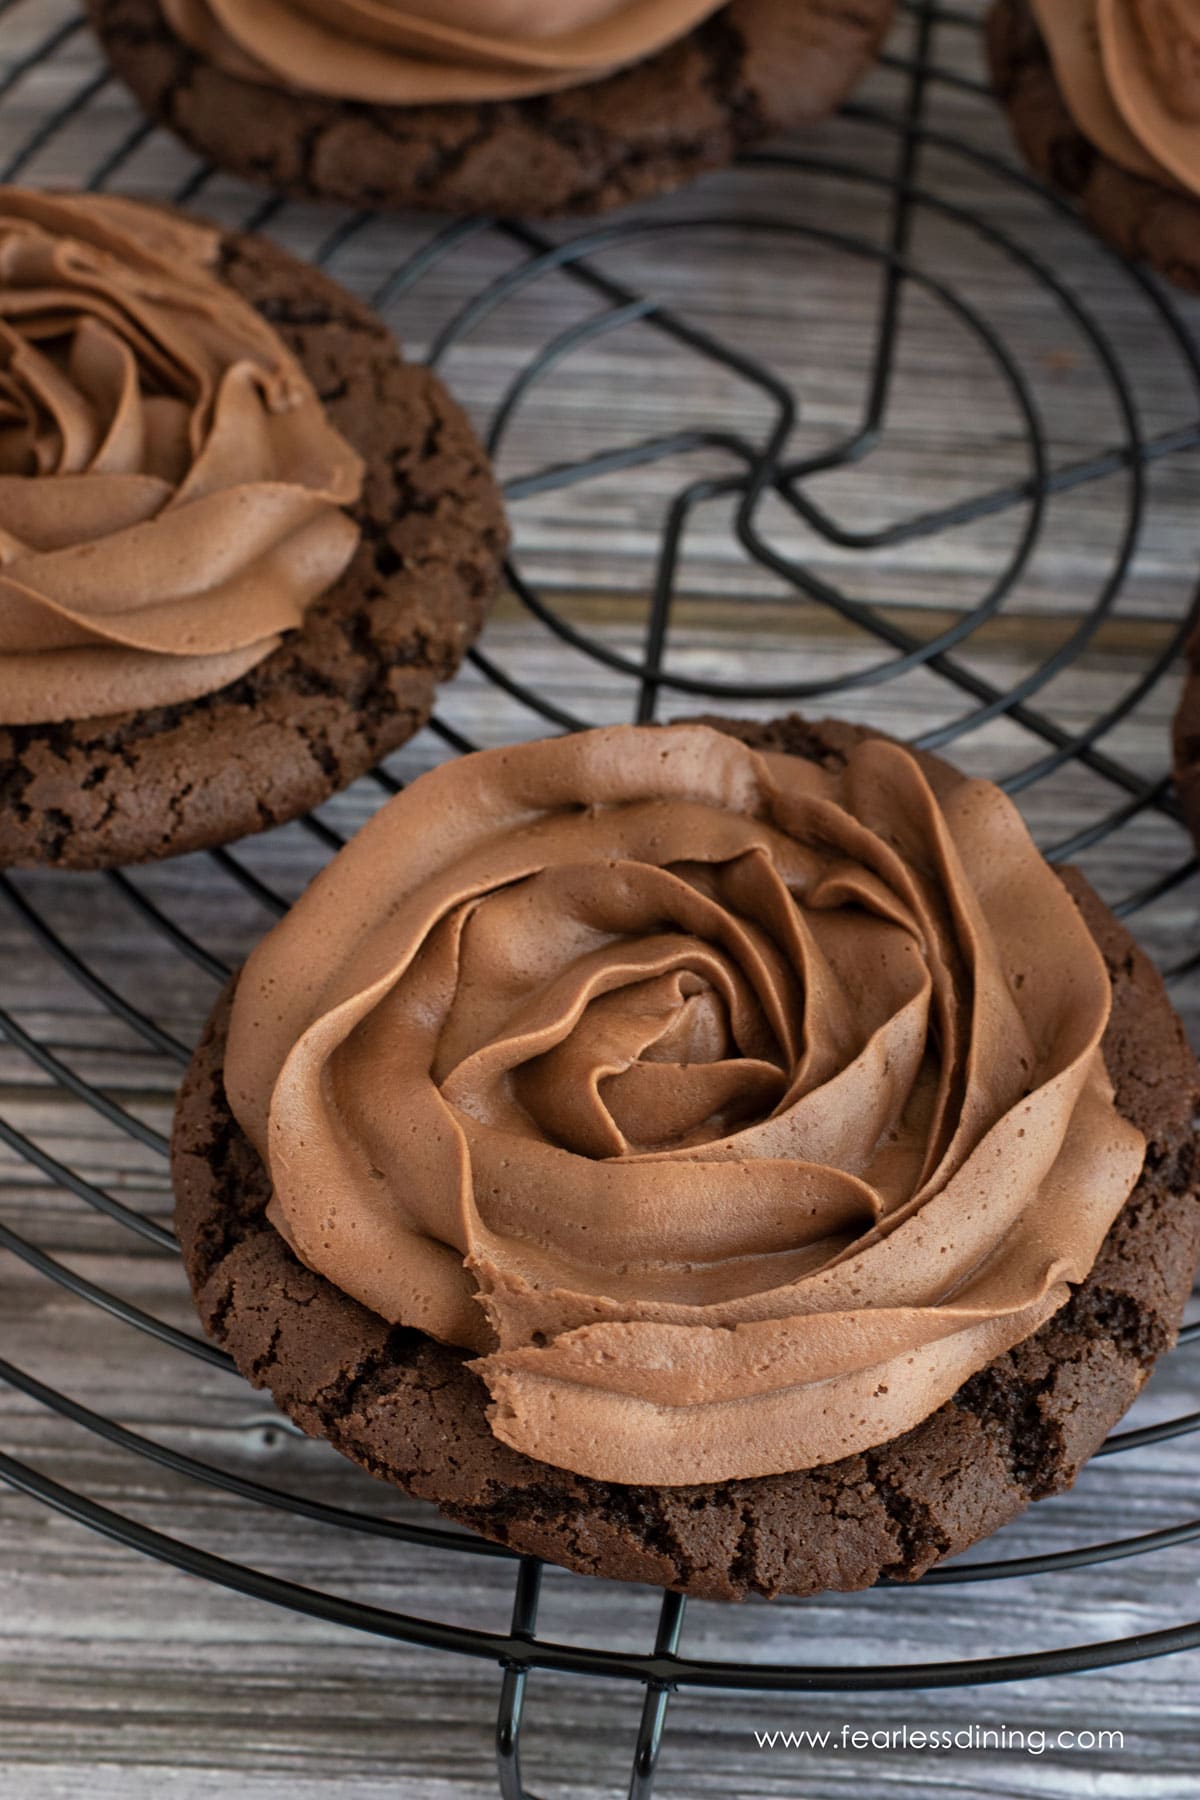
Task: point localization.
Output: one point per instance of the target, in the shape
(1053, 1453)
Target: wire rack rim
(538, 1654)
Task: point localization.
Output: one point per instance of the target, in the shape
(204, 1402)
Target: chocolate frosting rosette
(171, 492)
(1129, 71)
(731, 1109)
(397, 54)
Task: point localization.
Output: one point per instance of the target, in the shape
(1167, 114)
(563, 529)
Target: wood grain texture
(121, 1678)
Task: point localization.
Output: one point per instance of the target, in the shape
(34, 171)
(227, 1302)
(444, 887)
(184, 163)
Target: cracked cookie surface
(756, 67)
(352, 684)
(1144, 220)
(407, 1409)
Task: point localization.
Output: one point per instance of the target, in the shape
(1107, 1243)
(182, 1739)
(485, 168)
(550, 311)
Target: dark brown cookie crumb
(352, 684)
(1145, 220)
(756, 67)
(407, 1409)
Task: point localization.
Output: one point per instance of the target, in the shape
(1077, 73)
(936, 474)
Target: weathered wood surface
(121, 1678)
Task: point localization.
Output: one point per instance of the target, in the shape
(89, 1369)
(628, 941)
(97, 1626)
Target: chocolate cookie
(351, 684)
(755, 68)
(408, 1409)
(1144, 219)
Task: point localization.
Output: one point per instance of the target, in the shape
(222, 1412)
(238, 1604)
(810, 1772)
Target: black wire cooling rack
(1082, 770)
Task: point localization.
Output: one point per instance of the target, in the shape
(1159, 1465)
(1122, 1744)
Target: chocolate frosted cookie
(1105, 104)
(240, 539)
(562, 106)
(725, 1158)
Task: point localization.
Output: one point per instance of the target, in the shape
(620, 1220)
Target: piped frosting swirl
(1129, 72)
(732, 1110)
(172, 493)
(414, 52)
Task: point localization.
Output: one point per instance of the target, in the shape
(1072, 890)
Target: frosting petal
(1151, 52)
(733, 1111)
(1129, 71)
(421, 52)
(171, 492)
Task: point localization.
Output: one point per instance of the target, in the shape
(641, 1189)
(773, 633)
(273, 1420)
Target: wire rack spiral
(733, 473)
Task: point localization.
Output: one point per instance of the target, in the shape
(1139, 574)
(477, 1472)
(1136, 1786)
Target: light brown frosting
(413, 52)
(731, 1110)
(1129, 71)
(171, 492)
